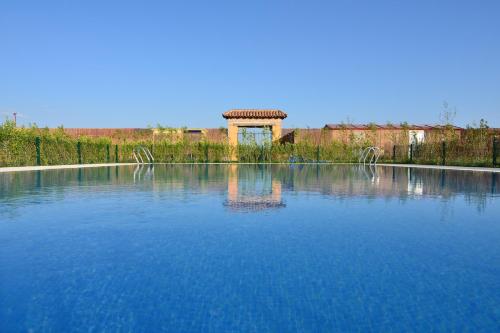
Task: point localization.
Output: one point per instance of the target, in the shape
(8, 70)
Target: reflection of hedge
(17, 148)
(348, 180)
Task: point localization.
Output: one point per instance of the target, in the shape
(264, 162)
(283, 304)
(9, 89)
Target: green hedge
(18, 148)
(454, 153)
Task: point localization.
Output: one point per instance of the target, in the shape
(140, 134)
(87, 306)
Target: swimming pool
(253, 248)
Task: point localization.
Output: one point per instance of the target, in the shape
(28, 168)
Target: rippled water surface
(269, 248)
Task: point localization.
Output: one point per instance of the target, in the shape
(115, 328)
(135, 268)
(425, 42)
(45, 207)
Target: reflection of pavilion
(255, 194)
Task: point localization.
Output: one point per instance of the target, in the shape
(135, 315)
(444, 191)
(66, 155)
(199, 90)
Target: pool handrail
(375, 151)
(138, 151)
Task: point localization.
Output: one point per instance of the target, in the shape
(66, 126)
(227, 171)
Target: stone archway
(238, 118)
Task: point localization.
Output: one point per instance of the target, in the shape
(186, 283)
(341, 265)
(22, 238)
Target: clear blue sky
(133, 64)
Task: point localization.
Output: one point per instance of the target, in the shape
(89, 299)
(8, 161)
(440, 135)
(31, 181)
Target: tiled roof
(386, 127)
(254, 114)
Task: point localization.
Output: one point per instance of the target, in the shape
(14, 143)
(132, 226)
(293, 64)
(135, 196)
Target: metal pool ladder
(372, 152)
(138, 153)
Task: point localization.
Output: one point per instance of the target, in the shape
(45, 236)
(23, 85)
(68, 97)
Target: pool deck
(76, 166)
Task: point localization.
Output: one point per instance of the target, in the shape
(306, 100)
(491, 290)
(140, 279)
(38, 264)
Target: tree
(447, 114)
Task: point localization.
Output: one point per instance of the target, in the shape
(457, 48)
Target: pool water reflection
(254, 248)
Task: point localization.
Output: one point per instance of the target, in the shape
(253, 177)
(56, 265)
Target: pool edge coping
(443, 167)
(77, 166)
(57, 167)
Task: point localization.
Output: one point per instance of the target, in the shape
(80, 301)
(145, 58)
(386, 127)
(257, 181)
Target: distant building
(387, 135)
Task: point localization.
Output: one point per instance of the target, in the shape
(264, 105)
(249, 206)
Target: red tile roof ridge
(254, 113)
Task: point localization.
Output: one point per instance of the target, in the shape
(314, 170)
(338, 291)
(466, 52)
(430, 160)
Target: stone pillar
(232, 134)
(276, 131)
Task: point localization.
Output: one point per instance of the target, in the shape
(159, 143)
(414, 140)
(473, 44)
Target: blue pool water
(276, 248)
